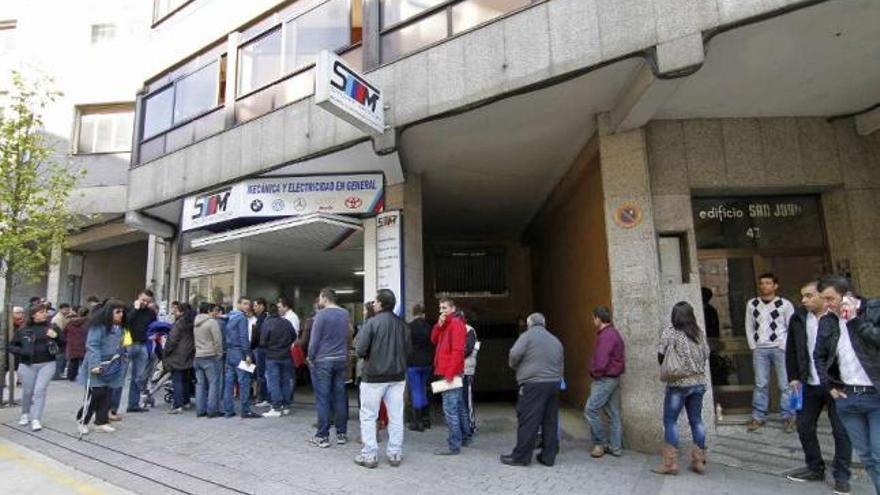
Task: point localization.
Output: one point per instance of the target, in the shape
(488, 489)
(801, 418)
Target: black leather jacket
(864, 333)
(797, 356)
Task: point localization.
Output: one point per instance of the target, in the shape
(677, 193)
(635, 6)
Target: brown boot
(698, 460)
(670, 461)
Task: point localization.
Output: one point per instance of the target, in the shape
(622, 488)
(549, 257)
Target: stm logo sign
(212, 204)
(354, 86)
(340, 90)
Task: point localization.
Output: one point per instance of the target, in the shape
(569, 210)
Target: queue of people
(825, 352)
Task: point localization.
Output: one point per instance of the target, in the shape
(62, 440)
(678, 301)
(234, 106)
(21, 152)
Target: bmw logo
(256, 205)
(278, 204)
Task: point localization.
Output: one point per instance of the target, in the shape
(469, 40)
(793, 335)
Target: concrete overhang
(103, 236)
(540, 44)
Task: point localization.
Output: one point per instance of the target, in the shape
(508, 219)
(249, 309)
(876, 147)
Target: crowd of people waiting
(257, 349)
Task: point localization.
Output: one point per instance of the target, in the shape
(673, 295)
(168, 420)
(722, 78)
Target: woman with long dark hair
(685, 389)
(179, 355)
(35, 345)
(98, 371)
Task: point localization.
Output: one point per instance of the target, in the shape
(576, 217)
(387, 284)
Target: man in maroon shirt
(606, 367)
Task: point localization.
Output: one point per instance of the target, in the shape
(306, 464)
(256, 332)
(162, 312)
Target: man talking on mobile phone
(847, 359)
(449, 336)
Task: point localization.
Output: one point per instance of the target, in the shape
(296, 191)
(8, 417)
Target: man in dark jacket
(383, 343)
(139, 318)
(803, 329)
(418, 370)
(276, 337)
(538, 360)
(262, 398)
(607, 365)
(848, 362)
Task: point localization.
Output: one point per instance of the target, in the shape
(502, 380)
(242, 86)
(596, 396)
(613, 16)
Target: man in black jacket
(276, 337)
(803, 329)
(139, 318)
(383, 343)
(419, 365)
(848, 363)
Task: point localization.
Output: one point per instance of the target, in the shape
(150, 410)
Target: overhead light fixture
(359, 273)
(343, 292)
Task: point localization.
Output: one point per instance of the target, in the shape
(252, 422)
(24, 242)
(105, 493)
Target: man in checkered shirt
(766, 331)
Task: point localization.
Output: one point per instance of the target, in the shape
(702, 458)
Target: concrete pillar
(634, 272)
(408, 197)
(239, 275)
(369, 259)
(53, 283)
(371, 29)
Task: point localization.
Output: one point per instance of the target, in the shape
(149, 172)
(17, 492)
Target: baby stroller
(159, 380)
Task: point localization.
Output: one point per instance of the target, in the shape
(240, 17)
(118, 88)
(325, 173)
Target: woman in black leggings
(102, 344)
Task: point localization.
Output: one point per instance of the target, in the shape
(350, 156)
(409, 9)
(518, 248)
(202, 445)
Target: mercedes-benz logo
(300, 204)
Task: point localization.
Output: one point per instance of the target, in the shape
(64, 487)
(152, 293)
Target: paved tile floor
(157, 453)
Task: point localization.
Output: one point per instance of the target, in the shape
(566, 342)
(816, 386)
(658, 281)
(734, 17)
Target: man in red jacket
(448, 336)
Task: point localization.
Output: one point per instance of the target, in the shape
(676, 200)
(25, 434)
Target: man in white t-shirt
(285, 310)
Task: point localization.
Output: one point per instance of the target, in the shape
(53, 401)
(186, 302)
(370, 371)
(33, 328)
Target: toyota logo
(353, 202)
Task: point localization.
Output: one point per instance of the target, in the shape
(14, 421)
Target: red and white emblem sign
(353, 202)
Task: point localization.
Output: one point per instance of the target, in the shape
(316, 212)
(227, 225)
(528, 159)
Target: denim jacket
(101, 345)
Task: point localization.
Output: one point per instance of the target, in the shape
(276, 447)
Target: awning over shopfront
(319, 248)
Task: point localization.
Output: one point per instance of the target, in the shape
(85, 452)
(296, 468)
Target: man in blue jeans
(847, 359)
(328, 358)
(238, 349)
(138, 318)
(383, 343)
(448, 336)
(606, 366)
(276, 338)
(766, 326)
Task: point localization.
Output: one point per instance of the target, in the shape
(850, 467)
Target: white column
(53, 282)
(240, 276)
(369, 258)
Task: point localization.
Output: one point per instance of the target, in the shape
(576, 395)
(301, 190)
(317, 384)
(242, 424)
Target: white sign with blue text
(345, 93)
(270, 197)
(389, 255)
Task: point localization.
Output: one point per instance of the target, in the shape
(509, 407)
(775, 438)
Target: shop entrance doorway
(739, 239)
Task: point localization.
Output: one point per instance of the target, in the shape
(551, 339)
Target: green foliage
(34, 191)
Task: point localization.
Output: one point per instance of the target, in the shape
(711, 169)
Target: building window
(105, 129)
(259, 62)
(471, 272)
(163, 9)
(196, 93)
(216, 288)
(327, 27)
(408, 25)
(103, 33)
(188, 96)
(7, 35)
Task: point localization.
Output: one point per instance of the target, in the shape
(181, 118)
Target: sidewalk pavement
(157, 453)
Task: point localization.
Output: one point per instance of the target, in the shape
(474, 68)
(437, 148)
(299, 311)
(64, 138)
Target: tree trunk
(6, 329)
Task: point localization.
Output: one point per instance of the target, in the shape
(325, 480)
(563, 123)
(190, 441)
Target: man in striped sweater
(766, 327)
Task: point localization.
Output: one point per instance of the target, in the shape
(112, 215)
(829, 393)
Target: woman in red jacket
(449, 336)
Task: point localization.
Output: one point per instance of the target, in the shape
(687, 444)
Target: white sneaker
(285, 411)
(24, 420)
(83, 429)
(263, 404)
(105, 429)
(35, 425)
(272, 413)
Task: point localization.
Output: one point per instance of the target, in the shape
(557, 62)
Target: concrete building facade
(542, 156)
(90, 50)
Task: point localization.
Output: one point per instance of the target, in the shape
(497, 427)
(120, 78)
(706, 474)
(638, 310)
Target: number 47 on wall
(753, 233)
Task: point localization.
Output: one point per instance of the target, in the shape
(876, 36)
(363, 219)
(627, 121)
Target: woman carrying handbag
(683, 352)
(103, 367)
(35, 345)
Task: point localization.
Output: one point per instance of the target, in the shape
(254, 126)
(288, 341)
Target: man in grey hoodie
(209, 359)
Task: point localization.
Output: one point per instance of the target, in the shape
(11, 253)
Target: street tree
(34, 191)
